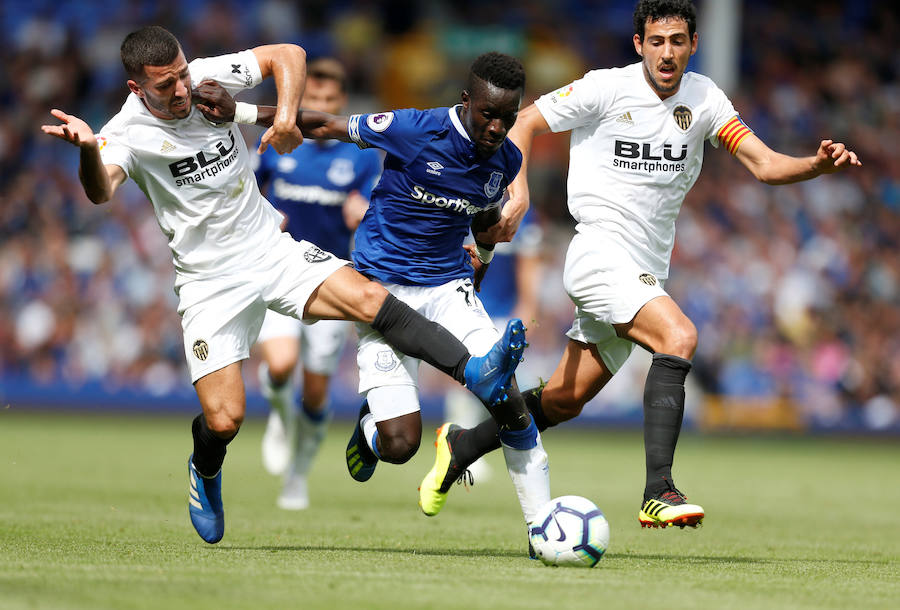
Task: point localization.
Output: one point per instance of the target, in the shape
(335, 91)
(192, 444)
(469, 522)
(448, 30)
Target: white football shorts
(221, 316)
(320, 343)
(608, 287)
(453, 305)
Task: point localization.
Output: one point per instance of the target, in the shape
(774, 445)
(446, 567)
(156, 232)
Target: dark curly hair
(654, 10)
(498, 69)
(148, 46)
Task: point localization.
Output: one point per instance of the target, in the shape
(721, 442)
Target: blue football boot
(205, 504)
(488, 376)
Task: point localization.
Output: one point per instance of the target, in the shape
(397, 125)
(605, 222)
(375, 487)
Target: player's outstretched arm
(775, 168)
(99, 181)
(529, 124)
(218, 106)
(287, 64)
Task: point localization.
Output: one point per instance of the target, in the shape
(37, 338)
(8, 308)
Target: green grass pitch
(93, 514)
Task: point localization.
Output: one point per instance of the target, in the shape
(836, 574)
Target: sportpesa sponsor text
(456, 204)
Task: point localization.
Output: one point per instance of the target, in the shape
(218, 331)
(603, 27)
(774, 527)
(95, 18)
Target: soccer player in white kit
(231, 259)
(636, 148)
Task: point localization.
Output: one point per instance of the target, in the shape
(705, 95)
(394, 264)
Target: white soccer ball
(569, 531)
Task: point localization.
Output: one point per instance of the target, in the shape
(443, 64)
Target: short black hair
(148, 46)
(654, 10)
(498, 69)
(327, 68)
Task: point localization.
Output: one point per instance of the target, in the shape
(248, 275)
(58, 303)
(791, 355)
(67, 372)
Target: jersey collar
(454, 118)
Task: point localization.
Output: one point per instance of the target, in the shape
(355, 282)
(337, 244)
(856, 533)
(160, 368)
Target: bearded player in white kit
(232, 261)
(636, 148)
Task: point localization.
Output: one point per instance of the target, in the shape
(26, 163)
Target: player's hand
(73, 130)
(354, 209)
(283, 137)
(214, 101)
(505, 229)
(480, 268)
(833, 157)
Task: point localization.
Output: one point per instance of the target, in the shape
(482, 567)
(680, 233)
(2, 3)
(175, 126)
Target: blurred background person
(322, 189)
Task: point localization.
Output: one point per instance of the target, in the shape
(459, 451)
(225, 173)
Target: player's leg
(579, 376)
(322, 343)
(457, 307)
(389, 426)
(381, 435)
(348, 295)
(662, 327)
(279, 348)
(221, 395)
(220, 319)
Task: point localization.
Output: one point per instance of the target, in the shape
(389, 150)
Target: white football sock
(529, 470)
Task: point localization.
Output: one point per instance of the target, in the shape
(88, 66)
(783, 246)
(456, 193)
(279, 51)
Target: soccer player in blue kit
(443, 167)
(322, 189)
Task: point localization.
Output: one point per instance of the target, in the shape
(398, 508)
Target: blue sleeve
(370, 172)
(401, 133)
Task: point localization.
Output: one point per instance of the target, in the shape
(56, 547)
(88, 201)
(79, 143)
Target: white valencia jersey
(633, 157)
(197, 175)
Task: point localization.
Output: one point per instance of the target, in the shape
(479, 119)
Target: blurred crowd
(795, 290)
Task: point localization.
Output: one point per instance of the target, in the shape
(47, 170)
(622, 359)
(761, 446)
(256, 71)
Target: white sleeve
(581, 102)
(721, 113)
(113, 149)
(235, 71)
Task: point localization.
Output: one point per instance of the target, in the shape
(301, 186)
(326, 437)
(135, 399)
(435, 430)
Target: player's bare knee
(398, 449)
(681, 341)
(224, 424)
(280, 370)
(371, 298)
(561, 405)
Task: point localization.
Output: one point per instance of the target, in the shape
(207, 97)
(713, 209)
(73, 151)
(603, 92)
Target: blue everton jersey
(311, 184)
(431, 185)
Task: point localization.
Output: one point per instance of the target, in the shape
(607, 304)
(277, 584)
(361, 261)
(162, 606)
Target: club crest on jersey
(493, 185)
(385, 361)
(379, 122)
(683, 117)
(340, 172)
(648, 278)
(201, 350)
(315, 254)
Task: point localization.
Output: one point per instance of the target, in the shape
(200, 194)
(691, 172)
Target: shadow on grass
(672, 559)
(711, 560)
(395, 551)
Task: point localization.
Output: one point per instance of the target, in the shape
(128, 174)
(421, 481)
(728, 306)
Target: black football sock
(663, 412)
(209, 449)
(475, 442)
(533, 402)
(417, 336)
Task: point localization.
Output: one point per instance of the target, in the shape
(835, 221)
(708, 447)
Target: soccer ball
(569, 531)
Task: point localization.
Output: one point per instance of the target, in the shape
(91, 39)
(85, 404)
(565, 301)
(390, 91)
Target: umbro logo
(434, 168)
(235, 68)
(625, 119)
